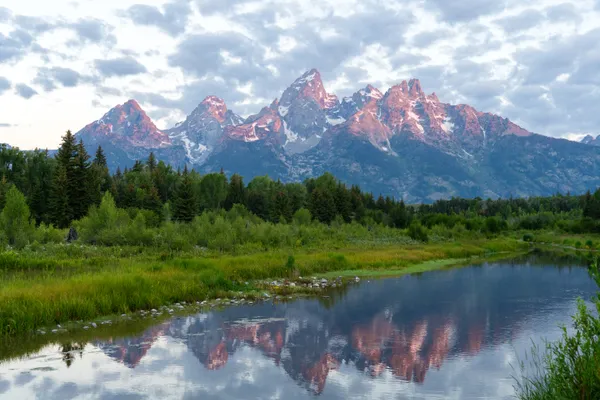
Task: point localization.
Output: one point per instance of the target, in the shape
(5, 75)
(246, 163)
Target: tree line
(62, 188)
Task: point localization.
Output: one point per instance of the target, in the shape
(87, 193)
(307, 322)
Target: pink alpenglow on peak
(131, 125)
(216, 107)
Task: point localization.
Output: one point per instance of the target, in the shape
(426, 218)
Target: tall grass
(570, 367)
(96, 282)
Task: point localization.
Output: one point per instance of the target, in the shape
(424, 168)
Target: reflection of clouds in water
(377, 343)
(24, 378)
(4, 386)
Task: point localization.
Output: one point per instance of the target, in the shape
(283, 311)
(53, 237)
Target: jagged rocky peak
(589, 139)
(127, 122)
(414, 88)
(355, 103)
(308, 86)
(216, 107)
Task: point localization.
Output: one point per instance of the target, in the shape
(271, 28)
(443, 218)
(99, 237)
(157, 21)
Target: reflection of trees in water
(68, 351)
(405, 326)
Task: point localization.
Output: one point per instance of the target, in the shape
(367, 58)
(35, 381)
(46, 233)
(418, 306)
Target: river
(449, 334)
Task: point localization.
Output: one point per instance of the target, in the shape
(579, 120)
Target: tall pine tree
(80, 198)
(60, 211)
(185, 204)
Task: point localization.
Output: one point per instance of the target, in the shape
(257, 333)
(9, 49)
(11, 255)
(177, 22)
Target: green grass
(43, 289)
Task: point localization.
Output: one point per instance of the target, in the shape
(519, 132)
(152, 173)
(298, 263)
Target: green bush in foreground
(570, 367)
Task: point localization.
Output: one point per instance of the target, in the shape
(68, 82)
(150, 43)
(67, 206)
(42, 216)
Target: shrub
(15, 219)
(302, 217)
(417, 232)
(528, 237)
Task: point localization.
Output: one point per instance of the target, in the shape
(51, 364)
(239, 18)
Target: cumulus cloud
(25, 91)
(122, 66)
(4, 85)
(172, 18)
(522, 22)
(48, 78)
(465, 10)
(522, 61)
(91, 30)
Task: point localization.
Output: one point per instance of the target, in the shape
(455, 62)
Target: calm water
(448, 334)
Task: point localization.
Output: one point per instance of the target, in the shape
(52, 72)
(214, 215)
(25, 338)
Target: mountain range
(404, 143)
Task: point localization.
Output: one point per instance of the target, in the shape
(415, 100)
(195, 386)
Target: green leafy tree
(15, 219)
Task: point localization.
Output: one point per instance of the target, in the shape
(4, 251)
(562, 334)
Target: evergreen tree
(152, 200)
(281, 210)
(3, 190)
(151, 162)
(184, 208)
(343, 202)
(236, 193)
(80, 197)
(100, 158)
(322, 205)
(258, 204)
(60, 211)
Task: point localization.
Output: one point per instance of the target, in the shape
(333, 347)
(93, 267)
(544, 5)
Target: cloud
(33, 24)
(122, 66)
(49, 77)
(15, 45)
(563, 12)
(5, 125)
(25, 91)
(4, 85)
(426, 39)
(5, 14)
(94, 31)
(465, 10)
(521, 22)
(172, 19)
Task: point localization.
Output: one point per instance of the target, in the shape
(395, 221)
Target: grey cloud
(191, 95)
(405, 59)
(563, 12)
(25, 91)
(526, 20)
(587, 72)
(33, 24)
(201, 55)
(48, 77)
(119, 67)
(465, 10)
(172, 19)
(4, 85)
(426, 39)
(558, 56)
(14, 46)
(104, 90)
(210, 7)
(94, 31)
(4, 125)
(5, 14)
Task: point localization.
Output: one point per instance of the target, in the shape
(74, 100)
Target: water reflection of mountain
(407, 325)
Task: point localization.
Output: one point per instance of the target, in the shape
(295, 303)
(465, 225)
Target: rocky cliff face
(589, 139)
(403, 142)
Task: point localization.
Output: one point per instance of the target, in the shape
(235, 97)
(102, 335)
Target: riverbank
(81, 283)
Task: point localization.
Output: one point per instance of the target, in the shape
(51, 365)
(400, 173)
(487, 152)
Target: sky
(64, 63)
